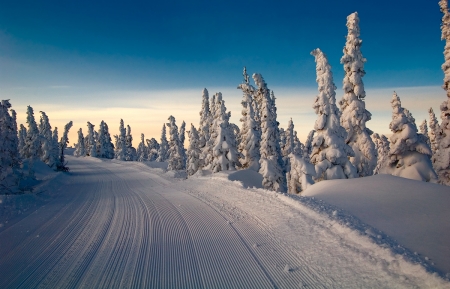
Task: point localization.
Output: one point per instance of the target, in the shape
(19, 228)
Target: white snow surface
(110, 224)
(413, 213)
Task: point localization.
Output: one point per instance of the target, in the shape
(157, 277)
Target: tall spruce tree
(271, 159)
(91, 146)
(80, 150)
(176, 160)
(250, 137)
(163, 153)
(224, 151)
(193, 153)
(330, 153)
(354, 114)
(120, 151)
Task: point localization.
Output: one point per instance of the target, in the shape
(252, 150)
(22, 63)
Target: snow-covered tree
(224, 150)
(61, 166)
(163, 153)
(55, 143)
(90, 144)
(142, 150)
(271, 162)
(80, 150)
(308, 145)
(176, 159)
(288, 147)
(330, 153)
(298, 146)
(152, 148)
(22, 138)
(105, 148)
(120, 151)
(207, 150)
(441, 159)
(130, 151)
(14, 147)
(205, 119)
(182, 138)
(250, 137)
(32, 143)
(434, 131)
(354, 114)
(409, 156)
(193, 153)
(382, 146)
(9, 157)
(424, 132)
(46, 140)
(300, 175)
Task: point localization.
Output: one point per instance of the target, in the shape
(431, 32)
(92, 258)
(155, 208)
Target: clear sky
(145, 60)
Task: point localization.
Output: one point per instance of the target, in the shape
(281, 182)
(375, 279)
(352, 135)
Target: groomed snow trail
(124, 225)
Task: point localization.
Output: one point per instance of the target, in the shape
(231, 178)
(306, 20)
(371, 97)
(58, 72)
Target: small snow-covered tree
(298, 146)
(142, 150)
(193, 153)
(207, 150)
(182, 138)
(46, 140)
(90, 144)
(9, 157)
(152, 148)
(205, 119)
(301, 174)
(163, 153)
(176, 160)
(330, 153)
(55, 143)
(31, 148)
(105, 148)
(120, 151)
(14, 146)
(382, 146)
(250, 137)
(22, 138)
(130, 151)
(424, 132)
(354, 114)
(288, 139)
(61, 165)
(308, 145)
(271, 162)
(434, 131)
(409, 155)
(441, 158)
(80, 150)
(224, 150)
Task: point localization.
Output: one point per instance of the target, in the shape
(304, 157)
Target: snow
(135, 224)
(414, 213)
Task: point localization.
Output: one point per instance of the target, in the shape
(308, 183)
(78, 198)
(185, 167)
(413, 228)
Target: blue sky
(80, 56)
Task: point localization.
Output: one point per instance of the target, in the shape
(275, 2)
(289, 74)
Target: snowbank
(414, 213)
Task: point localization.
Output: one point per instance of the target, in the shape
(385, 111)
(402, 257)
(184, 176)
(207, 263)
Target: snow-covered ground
(111, 224)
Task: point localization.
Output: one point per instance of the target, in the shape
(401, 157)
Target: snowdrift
(413, 213)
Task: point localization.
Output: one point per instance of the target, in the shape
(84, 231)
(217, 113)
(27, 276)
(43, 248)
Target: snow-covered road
(124, 225)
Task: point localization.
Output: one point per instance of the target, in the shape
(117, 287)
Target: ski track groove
(47, 260)
(143, 231)
(247, 230)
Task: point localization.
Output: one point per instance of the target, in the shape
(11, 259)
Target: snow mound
(249, 178)
(413, 213)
